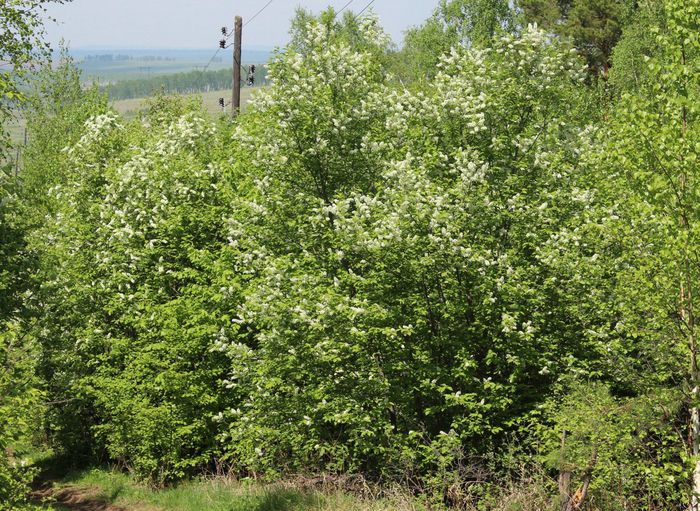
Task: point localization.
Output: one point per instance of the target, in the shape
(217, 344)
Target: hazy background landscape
(110, 65)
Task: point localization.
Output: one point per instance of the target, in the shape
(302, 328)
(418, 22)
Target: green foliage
(57, 110)
(475, 22)
(454, 23)
(346, 29)
(20, 398)
(653, 158)
(595, 26)
(638, 43)
(355, 277)
(21, 406)
(646, 162)
(420, 55)
(138, 230)
(626, 447)
(406, 257)
(21, 44)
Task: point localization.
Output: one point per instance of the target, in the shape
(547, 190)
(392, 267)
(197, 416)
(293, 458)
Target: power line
(211, 60)
(258, 13)
(344, 7)
(366, 7)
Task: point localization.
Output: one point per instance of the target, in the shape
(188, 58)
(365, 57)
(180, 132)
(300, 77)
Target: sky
(197, 23)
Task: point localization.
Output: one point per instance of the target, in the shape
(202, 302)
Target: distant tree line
(110, 57)
(190, 82)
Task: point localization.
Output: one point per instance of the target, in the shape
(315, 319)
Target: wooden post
(236, 99)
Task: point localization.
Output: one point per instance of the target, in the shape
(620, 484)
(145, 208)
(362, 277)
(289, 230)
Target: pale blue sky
(196, 23)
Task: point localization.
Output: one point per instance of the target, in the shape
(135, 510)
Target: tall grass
(219, 494)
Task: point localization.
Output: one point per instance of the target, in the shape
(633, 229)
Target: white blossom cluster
(96, 129)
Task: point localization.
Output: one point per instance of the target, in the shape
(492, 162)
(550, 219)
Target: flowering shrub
(139, 233)
(403, 249)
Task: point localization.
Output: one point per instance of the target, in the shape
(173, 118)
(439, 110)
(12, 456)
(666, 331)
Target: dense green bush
(132, 278)
(21, 397)
(21, 407)
(406, 248)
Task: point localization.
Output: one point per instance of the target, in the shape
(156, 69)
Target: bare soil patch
(81, 499)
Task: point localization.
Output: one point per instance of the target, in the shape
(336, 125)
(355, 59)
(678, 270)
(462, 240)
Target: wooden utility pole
(236, 99)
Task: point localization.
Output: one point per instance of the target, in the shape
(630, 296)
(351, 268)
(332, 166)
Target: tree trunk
(695, 439)
(564, 489)
(564, 478)
(688, 316)
(578, 500)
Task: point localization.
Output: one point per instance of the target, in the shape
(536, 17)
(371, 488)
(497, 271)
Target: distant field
(109, 66)
(124, 65)
(210, 100)
(109, 72)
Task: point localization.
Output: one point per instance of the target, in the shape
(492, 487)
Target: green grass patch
(105, 487)
(210, 101)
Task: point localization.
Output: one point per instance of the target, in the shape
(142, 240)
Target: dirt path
(74, 498)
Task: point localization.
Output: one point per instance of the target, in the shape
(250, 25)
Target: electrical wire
(211, 60)
(344, 7)
(366, 7)
(259, 12)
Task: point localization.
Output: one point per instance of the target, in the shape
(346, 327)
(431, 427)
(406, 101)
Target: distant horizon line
(159, 48)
